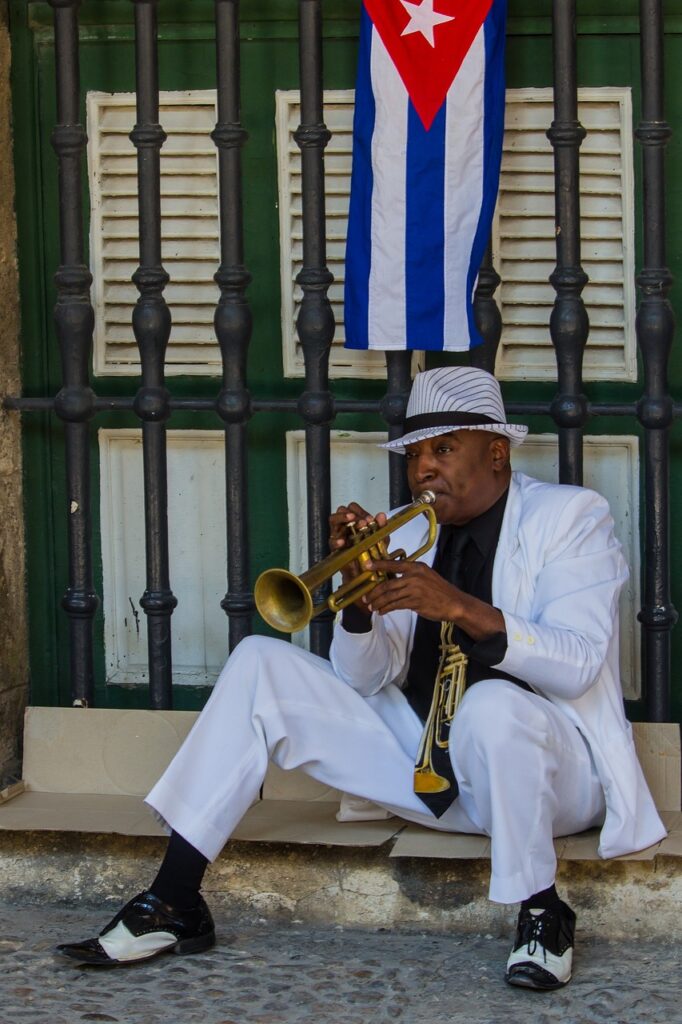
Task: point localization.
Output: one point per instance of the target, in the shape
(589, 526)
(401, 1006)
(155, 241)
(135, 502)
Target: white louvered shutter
(190, 229)
(524, 250)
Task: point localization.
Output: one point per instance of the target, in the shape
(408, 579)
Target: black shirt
(474, 577)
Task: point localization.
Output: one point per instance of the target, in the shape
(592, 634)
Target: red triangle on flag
(427, 41)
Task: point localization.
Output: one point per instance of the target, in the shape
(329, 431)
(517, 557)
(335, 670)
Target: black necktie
(434, 767)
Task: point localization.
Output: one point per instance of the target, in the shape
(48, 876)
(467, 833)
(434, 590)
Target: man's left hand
(418, 588)
(422, 590)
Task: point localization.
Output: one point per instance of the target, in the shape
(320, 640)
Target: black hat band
(447, 419)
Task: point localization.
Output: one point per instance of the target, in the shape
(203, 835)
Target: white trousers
(524, 771)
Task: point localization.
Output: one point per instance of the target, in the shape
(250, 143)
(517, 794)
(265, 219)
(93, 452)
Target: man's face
(467, 470)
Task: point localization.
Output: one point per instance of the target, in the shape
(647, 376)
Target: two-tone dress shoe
(542, 956)
(143, 929)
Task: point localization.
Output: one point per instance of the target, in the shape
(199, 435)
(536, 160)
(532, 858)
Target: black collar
(484, 530)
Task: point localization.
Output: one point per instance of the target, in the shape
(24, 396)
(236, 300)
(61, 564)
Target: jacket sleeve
(560, 648)
(369, 661)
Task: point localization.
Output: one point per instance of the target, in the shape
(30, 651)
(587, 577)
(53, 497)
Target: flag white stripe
(386, 317)
(463, 187)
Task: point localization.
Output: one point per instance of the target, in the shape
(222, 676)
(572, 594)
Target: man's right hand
(340, 536)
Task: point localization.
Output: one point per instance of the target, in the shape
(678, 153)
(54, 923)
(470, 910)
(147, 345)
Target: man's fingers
(396, 565)
(347, 515)
(396, 593)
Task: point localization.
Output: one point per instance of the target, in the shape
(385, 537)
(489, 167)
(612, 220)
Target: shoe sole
(185, 947)
(523, 981)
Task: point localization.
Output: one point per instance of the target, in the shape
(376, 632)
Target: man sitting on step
(520, 595)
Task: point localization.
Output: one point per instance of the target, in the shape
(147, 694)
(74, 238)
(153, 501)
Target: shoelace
(534, 935)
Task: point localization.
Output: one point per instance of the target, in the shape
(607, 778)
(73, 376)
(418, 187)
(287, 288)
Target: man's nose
(424, 467)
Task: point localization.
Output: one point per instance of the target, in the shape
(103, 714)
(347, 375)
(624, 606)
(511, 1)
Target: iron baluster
(74, 320)
(233, 319)
(393, 406)
(655, 326)
(315, 323)
(569, 324)
(152, 325)
(487, 314)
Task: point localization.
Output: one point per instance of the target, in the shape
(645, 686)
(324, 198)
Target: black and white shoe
(543, 948)
(143, 929)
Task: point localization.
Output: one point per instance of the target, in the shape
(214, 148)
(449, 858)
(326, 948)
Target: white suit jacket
(557, 575)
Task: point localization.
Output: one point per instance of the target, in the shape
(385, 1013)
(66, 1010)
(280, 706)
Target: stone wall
(13, 632)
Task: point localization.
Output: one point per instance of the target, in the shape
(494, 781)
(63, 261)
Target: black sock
(545, 900)
(180, 875)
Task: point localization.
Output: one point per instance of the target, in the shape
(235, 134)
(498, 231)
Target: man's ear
(499, 453)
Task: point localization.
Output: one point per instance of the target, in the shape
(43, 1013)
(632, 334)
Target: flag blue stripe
(359, 239)
(493, 130)
(425, 232)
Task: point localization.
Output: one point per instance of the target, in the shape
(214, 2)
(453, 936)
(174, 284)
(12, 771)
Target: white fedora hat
(455, 398)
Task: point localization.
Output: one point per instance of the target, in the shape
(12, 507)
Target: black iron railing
(568, 324)
(74, 320)
(655, 329)
(315, 322)
(317, 406)
(152, 327)
(233, 319)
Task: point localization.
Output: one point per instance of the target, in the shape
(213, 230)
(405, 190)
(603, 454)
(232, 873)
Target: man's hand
(417, 587)
(421, 590)
(341, 536)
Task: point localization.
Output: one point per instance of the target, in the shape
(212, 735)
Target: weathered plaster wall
(13, 633)
(349, 887)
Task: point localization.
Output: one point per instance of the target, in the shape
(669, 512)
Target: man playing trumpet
(474, 690)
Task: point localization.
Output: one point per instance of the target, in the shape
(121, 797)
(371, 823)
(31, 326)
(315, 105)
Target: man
(518, 601)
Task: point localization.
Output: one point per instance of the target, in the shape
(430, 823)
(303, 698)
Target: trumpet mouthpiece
(427, 497)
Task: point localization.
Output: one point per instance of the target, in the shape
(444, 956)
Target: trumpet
(285, 600)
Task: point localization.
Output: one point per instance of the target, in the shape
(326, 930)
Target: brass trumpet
(285, 600)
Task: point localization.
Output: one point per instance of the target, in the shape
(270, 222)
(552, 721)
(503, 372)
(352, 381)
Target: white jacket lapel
(508, 564)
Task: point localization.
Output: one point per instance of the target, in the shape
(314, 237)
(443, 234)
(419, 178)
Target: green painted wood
(181, 13)
(608, 55)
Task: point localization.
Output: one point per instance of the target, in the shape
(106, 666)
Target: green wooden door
(608, 55)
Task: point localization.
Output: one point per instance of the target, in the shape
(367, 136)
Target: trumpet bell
(283, 600)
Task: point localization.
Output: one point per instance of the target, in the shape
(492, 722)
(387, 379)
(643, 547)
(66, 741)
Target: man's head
(457, 441)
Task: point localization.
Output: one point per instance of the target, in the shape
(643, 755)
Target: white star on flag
(423, 19)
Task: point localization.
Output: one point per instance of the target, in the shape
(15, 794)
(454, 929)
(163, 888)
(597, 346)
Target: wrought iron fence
(76, 404)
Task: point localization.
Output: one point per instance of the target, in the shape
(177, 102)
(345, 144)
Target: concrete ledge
(330, 885)
(291, 859)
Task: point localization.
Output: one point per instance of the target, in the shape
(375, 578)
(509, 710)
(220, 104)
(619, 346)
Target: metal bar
(655, 326)
(151, 326)
(487, 315)
(341, 406)
(233, 320)
(74, 321)
(315, 322)
(569, 324)
(393, 406)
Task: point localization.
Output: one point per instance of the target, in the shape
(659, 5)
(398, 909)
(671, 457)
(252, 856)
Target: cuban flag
(427, 145)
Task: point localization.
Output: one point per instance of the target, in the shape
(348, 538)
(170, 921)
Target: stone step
(349, 886)
(290, 858)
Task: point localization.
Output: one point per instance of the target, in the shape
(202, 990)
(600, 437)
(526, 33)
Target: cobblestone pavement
(285, 974)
